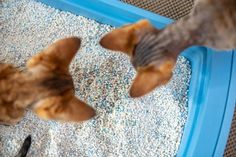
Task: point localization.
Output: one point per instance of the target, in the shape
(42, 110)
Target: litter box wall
(212, 90)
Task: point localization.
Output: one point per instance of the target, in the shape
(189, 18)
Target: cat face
(126, 39)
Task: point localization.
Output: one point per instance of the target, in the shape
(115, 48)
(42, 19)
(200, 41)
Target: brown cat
(154, 52)
(46, 84)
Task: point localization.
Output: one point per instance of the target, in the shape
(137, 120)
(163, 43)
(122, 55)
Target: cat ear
(57, 55)
(63, 109)
(149, 78)
(125, 38)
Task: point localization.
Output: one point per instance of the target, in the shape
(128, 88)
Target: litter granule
(148, 126)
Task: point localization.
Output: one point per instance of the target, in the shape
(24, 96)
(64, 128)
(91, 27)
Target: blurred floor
(174, 9)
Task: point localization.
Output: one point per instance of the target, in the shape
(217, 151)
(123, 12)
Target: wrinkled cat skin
(154, 52)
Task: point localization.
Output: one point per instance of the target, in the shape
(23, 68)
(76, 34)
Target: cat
(154, 52)
(46, 86)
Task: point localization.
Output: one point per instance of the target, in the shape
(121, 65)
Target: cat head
(50, 68)
(126, 39)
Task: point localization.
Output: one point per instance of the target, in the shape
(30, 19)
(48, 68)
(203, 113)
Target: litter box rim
(205, 132)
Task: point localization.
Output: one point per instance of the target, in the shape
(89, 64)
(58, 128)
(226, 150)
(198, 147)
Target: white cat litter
(149, 126)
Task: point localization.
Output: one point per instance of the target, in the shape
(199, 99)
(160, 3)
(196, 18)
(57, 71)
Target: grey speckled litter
(149, 126)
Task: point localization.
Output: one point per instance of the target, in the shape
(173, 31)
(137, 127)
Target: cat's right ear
(125, 38)
(58, 55)
(63, 108)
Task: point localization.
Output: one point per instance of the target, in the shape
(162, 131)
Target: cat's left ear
(58, 55)
(148, 78)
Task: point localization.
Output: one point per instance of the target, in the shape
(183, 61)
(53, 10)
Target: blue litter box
(212, 90)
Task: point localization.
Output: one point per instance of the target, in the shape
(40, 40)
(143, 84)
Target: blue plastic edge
(229, 110)
(212, 87)
(210, 113)
(112, 12)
